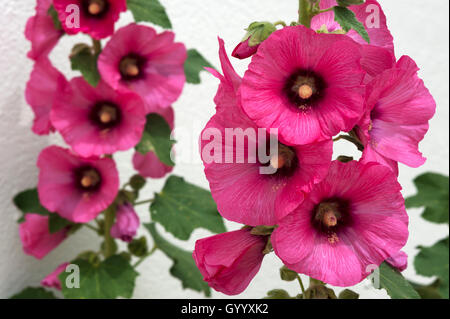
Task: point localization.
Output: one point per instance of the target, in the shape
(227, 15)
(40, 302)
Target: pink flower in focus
(52, 280)
(398, 260)
(97, 121)
(42, 89)
(96, 17)
(309, 92)
(127, 223)
(149, 165)
(140, 60)
(354, 218)
(229, 261)
(76, 188)
(399, 107)
(370, 14)
(243, 194)
(41, 32)
(243, 50)
(36, 238)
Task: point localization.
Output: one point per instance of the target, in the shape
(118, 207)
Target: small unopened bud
(243, 50)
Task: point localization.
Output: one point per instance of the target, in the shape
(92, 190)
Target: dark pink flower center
(329, 216)
(131, 67)
(285, 161)
(304, 89)
(95, 8)
(105, 115)
(87, 178)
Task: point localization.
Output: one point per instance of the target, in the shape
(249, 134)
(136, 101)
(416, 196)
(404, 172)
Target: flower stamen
(305, 91)
(96, 7)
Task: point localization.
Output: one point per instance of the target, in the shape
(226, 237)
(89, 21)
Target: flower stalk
(109, 241)
(305, 13)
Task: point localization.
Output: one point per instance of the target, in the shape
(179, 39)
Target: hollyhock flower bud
(95, 17)
(309, 92)
(127, 223)
(36, 238)
(76, 188)
(140, 60)
(351, 221)
(370, 14)
(242, 192)
(52, 280)
(41, 31)
(398, 108)
(243, 50)
(398, 260)
(229, 261)
(42, 89)
(149, 165)
(97, 121)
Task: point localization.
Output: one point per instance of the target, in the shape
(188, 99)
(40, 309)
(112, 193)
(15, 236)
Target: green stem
(144, 202)
(145, 256)
(302, 287)
(110, 213)
(282, 23)
(305, 13)
(97, 46)
(351, 139)
(92, 227)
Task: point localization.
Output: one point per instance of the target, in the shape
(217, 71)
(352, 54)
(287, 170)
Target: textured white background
(420, 29)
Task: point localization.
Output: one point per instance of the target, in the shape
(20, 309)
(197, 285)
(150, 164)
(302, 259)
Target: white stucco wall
(420, 29)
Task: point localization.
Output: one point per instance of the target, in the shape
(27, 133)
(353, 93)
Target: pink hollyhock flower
(52, 280)
(149, 165)
(243, 194)
(398, 260)
(229, 261)
(150, 64)
(41, 32)
(36, 238)
(96, 17)
(370, 14)
(97, 121)
(398, 108)
(127, 223)
(243, 50)
(353, 219)
(44, 85)
(309, 92)
(76, 188)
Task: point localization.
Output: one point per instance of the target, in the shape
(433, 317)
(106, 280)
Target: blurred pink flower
(97, 121)
(127, 223)
(76, 188)
(96, 17)
(140, 60)
(36, 238)
(52, 280)
(229, 261)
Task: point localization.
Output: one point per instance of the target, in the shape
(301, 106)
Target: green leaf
(348, 294)
(56, 223)
(347, 3)
(195, 63)
(394, 283)
(278, 294)
(347, 19)
(433, 194)
(182, 207)
(156, 138)
(34, 293)
(433, 261)
(183, 267)
(52, 12)
(428, 292)
(112, 278)
(149, 11)
(27, 201)
(83, 60)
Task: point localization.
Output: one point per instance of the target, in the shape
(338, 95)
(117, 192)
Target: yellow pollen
(305, 91)
(329, 219)
(105, 117)
(86, 181)
(94, 8)
(333, 238)
(132, 70)
(277, 161)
